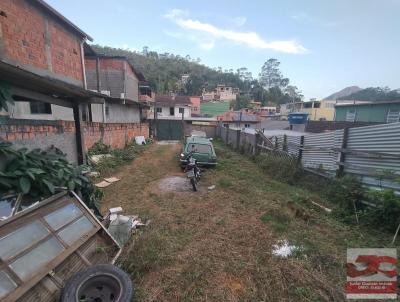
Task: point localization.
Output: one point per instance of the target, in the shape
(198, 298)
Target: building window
(351, 115)
(393, 116)
(247, 125)
(40, 107)
(171, 111)
(181, 110)
(159, 109)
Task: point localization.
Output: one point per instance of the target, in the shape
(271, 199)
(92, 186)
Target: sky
(323, 46)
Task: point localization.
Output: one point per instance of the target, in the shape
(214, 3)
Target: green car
(202, 150)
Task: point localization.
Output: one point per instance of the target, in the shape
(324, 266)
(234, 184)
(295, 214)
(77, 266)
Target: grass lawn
(214, 108)
(216, 245)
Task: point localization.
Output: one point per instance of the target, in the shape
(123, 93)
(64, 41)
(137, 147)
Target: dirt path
(216, 245)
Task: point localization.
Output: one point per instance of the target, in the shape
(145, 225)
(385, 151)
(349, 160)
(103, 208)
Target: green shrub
(99, 148)
(40, 173)
(346, 193)
(386, 215)
(282, 168)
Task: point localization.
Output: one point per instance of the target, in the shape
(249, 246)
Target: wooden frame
(37, 213)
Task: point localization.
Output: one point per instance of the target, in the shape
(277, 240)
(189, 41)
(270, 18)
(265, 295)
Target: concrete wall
(166, 113)
(116, 76)
(33, 134)
(120, 113)
(43, 134)
(211, 131)
(22, 110)
(38, 42)
(323, 126)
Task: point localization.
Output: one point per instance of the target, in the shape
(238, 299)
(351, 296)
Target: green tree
(270, 75)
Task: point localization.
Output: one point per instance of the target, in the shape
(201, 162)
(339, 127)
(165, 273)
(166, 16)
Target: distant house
(239, 119)
(383, 112)
(116, 78)
(323, 110)
(195, 105)
(221, 93)
(172, 106)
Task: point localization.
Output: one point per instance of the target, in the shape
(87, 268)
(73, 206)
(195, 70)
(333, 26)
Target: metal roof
(368, 103)
(42, 4)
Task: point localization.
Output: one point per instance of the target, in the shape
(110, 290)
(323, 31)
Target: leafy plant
(347, 193)
(40, 173)
(386, 214)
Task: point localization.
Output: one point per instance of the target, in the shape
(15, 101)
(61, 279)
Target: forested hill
(164, 71)
(374, 94)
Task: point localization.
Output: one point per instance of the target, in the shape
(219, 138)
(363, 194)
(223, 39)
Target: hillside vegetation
(164, 71)
(374, 94)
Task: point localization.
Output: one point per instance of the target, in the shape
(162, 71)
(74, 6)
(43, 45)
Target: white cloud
(251, 39)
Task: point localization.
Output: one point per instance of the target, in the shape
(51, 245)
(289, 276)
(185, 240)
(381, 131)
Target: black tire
(193, 182)
(105, 282)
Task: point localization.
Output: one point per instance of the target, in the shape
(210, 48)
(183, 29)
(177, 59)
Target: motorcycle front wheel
(193, 182)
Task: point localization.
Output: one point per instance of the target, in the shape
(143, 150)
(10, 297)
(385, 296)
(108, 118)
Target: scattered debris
(140, 140)
(103, 184)
(283, 249)
(93, 174)
(210, 188)
(121, 226)
(322, 207)
(111, 179)
(99, 157)
(106, 182)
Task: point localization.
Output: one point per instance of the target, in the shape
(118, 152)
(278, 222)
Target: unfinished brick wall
(65, 52)
(34, 134)
(31, 38)
(117, 135)
(26, 129)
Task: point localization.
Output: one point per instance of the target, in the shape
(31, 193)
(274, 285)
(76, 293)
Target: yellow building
(323, 110)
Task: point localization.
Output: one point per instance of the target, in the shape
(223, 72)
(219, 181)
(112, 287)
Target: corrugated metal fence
(371, 153)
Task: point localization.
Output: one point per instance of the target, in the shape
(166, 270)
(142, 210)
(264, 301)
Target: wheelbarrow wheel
(98, 283)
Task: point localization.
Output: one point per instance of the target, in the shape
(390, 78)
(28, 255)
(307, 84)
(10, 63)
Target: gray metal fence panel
(382, 139)
(318, 151)
(293, 145)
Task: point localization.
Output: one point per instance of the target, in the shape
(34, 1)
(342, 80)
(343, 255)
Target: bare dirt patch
(175, 184)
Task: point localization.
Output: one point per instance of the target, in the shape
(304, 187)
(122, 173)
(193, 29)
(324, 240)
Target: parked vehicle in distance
(201, 149)
(192, 171)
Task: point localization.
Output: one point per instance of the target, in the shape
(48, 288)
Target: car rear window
(199, 148)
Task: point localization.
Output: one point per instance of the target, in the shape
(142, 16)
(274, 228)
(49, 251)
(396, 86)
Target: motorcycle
(192, 171)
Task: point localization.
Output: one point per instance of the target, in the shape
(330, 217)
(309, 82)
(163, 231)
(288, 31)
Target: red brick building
(42, 69)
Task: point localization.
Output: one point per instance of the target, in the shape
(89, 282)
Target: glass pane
(22, 238)
(7, 285)
(7, 205)
(76, 230)
(30, 263)
(62, 216)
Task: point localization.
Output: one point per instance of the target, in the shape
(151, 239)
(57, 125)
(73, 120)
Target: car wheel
(98, 283)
